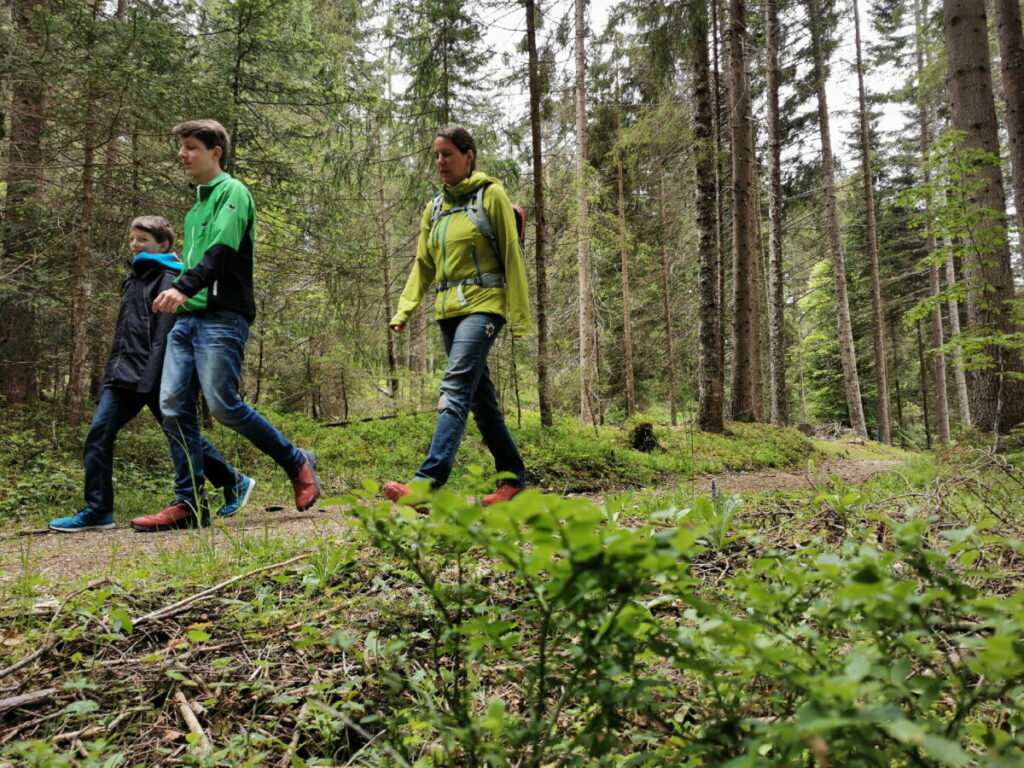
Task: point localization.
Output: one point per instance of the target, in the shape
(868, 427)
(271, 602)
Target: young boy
(214, 301)
(132, 382)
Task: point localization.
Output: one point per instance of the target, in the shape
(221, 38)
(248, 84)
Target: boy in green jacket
(213, 298)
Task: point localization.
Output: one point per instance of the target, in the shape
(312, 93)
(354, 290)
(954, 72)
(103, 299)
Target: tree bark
(588, 372)
(710, 398)
(963, 398)
(851, 380)
(539, 220)
(667, 305)
(385, 258)
(742, 219)
(1011, 54)
(627, 322)
(779, 411)
(877, 305)
(938, 357)
(997, 399)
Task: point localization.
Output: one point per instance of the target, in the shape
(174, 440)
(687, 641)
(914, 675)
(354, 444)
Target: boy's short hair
(157, 226)
(210, 132)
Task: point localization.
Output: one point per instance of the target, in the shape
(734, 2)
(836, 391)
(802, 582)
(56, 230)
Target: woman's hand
(397, 328)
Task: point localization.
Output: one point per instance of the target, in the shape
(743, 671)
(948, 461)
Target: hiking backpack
(473, 206)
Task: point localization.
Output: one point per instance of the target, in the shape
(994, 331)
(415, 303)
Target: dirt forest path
(62, 559)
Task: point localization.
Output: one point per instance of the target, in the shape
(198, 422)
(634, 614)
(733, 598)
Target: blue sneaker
(84, 520)
(236, 496)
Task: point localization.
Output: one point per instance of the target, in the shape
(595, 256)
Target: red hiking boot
(504, 493)
(306, 483)
(395, 491)
(179, 514)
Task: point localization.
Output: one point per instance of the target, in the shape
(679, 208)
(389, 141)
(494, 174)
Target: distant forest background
(708, 239)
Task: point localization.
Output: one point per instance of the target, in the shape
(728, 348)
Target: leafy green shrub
(548, 634)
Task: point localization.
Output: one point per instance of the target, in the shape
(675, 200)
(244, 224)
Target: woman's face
(452, 164)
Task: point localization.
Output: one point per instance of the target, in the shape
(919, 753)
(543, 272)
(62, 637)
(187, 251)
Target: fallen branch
(170, 610)
(204, 745)
(26, 699)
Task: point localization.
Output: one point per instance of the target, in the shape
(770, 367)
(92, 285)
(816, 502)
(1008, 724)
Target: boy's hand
(169, 301)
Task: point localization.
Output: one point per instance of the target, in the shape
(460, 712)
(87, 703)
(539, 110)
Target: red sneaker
(306, 483)
(394, 491)
(179, 514)
(504, 493)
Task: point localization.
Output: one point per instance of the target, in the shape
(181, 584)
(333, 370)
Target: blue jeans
(212, 345)
(116, 408)
(466, 387)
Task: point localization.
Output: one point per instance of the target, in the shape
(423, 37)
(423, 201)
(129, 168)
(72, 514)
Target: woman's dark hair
(461, 138)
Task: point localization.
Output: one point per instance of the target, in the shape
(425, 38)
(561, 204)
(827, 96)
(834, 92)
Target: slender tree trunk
(80, 310)
(1011, 50)
(666, 292)
(848, 353)
(627, 321)
(758, 295)
(997, 398)
(539, 219)
(938, 358)
(776, 300)
(710, 398)
(385, 258)
(962, 396)
(721, 234)
(877, 305)
(922, 368)
(588, 368)
(742, 219)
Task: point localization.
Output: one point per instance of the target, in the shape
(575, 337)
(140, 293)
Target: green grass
(43, 459)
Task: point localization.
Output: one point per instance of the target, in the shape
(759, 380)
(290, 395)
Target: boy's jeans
(211, 344)
(467, 386)
(116, 408)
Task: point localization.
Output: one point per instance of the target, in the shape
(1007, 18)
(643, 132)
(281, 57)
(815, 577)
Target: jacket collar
(203, 191)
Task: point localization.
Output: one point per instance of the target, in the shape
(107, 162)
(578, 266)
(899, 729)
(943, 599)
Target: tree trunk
(963, 398)
(924, 387)
(539, 220)
(851, 380)
(667, 304)
(1011, 50)
(385, 258)
(627, 322)
(997, 399)
(588, 368)
(742, 219)
(82, 291)
(23, 214)
(877, 305)
(938, 357)
(710, 400)
(776, 301)
(721, 233)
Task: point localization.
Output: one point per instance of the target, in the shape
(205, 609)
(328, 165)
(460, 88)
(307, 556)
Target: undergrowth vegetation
(43, 458)
(871, 626)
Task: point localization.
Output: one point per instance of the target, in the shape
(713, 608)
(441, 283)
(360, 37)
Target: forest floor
(59, 561)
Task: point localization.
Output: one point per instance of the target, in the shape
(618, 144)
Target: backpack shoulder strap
(435, 212)
(476, 213)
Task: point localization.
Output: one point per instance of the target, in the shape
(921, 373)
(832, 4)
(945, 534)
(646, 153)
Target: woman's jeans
(205, 349)
(116, 408)
(467, 386)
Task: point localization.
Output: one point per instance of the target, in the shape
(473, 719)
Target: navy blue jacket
(136, 359)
